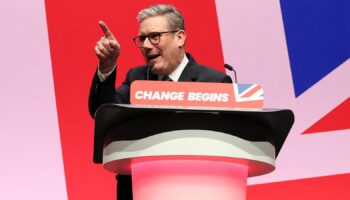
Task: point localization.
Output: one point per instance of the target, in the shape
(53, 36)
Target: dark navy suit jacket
(105, 92)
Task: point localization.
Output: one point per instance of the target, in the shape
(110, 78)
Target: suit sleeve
(105, 92)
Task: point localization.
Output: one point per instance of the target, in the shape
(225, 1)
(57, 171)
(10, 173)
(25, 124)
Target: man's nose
(147, 44)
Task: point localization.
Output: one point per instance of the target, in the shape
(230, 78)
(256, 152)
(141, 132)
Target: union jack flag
(248, 92)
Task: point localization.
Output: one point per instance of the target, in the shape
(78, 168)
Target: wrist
(106, 67)
(103, 75)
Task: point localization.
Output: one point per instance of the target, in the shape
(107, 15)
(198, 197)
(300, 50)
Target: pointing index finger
(106, 30)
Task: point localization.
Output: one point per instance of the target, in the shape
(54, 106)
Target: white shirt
(175, 75)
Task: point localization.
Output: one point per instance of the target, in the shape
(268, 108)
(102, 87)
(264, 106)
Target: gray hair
(174, 17)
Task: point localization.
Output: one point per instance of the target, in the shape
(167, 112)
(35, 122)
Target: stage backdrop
(297, 50)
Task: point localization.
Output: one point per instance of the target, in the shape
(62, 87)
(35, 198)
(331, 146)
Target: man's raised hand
(107, 49)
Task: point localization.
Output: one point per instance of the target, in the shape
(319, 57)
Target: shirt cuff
(103, 77)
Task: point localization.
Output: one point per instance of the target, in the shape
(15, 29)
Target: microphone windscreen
(227, 66)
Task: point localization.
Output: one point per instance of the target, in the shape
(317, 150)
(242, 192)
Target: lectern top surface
(195, 108)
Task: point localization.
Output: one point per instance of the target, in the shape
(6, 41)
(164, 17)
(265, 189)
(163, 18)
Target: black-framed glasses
(153, 37)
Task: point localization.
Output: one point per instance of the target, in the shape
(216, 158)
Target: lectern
(189, 152)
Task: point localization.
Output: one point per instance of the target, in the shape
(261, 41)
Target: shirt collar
(175, 75)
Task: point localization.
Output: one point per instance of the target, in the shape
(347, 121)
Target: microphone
(149, 67)
(227, 66)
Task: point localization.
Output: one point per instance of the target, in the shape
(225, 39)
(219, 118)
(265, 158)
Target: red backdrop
(73, 32)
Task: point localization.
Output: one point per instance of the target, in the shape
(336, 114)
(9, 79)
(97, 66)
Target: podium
(189, 153)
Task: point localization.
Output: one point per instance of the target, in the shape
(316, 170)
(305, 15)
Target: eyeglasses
(153, 37)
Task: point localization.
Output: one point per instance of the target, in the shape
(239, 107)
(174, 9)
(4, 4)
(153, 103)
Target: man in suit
(161, 40)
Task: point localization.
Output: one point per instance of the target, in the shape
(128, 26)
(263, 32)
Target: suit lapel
(190, 73)
(153, 77)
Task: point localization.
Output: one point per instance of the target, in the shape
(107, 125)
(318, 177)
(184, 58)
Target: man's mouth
(151, 57)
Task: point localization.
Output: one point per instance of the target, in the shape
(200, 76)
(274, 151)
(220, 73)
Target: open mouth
(151, 57)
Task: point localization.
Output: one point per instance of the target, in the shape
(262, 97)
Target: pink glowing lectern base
(188, 179)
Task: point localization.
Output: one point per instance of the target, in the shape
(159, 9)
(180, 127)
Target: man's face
(168, 53)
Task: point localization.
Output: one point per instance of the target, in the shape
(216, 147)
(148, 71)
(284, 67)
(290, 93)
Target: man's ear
(181, 38)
